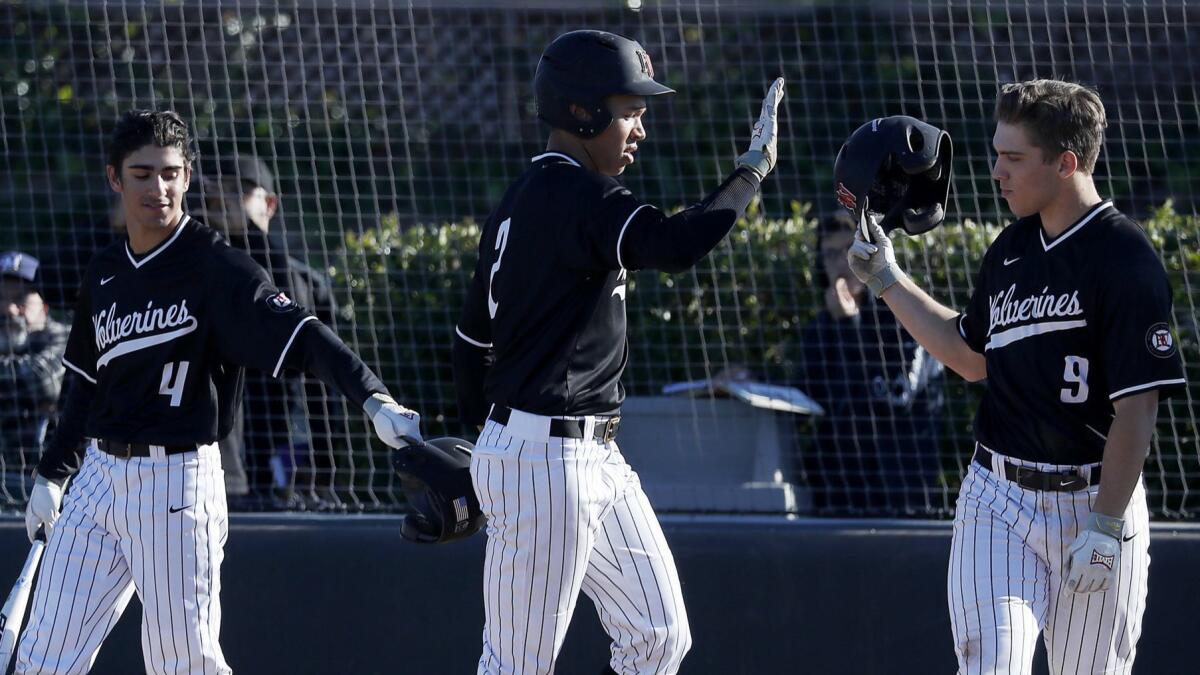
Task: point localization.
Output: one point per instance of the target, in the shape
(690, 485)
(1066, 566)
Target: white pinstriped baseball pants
(566, 515)
(1006, 584)
(156, 525)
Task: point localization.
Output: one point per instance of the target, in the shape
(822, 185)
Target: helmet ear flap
(920, 221)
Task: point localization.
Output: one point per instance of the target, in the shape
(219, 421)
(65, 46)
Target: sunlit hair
(138, 128)
(1059, 116)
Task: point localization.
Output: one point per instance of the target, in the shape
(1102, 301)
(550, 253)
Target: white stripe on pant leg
(533, 563)
(1102, 629)
(488, 478)
(83, 588)
(962, 595)
(644, 598)
(993, 576)
(181, 616)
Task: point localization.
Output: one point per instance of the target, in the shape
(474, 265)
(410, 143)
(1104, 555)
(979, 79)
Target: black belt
(605, 431)
(127, 450)
(1067, 480)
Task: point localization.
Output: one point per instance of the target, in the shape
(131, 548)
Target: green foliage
(744, 304)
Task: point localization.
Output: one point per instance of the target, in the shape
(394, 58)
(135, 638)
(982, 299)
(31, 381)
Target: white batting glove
(874, 264)
(761, 156)
(1095, 556)
(45, 504)
(393, 422)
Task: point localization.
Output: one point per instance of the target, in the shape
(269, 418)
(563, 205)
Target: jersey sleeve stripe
(962, 331)
(1141, 387)
(621, 236)
(279, 363)
(477, 343)
(79, 370)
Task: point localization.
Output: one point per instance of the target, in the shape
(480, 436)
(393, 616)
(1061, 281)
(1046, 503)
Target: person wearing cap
(31, 371)
(280, 415)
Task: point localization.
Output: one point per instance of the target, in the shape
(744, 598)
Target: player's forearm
(1125, 451)
(61, 457)
(321, 353)
(935, 327)
(677, 243)
(470, 371)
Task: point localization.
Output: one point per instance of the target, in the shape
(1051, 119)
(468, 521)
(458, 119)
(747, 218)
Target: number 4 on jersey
(172, 382)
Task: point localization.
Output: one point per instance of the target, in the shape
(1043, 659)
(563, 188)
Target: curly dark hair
(137, 128)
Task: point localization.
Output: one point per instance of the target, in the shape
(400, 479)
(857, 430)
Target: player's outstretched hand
(761, 156)
(45, 502)
(393, 422)
(874, 264)
(1095, 556)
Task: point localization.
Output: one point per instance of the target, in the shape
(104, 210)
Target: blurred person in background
(286, 421)
(875, 451)
(31, 370)
(66, 257)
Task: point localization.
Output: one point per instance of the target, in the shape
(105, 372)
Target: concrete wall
(347, 595)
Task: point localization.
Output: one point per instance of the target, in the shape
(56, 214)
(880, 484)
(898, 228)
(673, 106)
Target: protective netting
(391, 129)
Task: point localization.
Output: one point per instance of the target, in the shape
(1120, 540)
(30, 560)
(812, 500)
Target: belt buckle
(1023, 474)
(610, 429)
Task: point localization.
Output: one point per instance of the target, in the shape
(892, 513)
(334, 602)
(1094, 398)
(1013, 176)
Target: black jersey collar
(1087, 218)
(160, 248)
(544, 155)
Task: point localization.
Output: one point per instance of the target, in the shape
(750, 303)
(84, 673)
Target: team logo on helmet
(845, 197)
(644, 60)
(1159, 341)
(280, 302)
(1105, 560)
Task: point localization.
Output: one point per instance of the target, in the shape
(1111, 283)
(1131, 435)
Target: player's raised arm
(894, 172)
(649, 240)
(935, 326)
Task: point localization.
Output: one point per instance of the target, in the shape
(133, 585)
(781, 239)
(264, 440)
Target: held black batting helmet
(899, 169)
(436, 479)
(584, 67)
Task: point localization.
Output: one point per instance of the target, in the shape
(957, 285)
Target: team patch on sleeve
(1159, 341)
(281, 303)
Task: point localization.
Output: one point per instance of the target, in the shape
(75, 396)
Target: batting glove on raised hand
(45, 503)
(761, 156)
(1095, 556)
(874, 264)
(393, 422)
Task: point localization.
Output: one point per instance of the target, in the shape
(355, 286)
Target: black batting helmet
(436, 479)
(584, 67)
(899, 169)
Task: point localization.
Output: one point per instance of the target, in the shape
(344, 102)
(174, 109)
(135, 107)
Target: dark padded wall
(347, 595)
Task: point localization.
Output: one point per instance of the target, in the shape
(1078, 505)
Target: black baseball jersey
(1067, 326)
(546, 308)
(548, 296)
(164, 336)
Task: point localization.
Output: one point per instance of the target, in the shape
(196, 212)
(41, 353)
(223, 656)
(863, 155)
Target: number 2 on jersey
(1075, 372)
(172, 382)
(501, 243)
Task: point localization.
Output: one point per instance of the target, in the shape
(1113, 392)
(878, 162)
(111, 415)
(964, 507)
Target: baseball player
(1070, 326)
(157, 349)
(539, 353)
